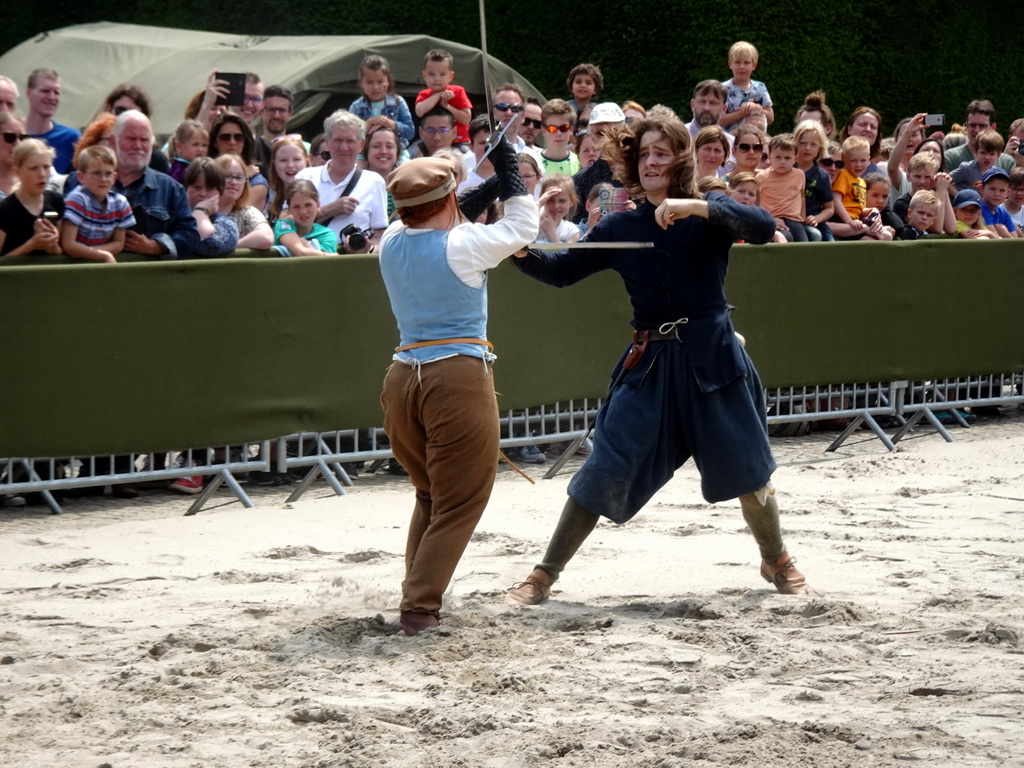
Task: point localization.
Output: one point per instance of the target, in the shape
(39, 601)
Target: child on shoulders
(379, 97)
(441, 92)
(585, 84)
(95, 216)
(745, 96)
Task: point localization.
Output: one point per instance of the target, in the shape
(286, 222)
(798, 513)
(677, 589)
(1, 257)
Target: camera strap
(352, 182)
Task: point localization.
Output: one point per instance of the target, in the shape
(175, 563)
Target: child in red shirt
(438, 75)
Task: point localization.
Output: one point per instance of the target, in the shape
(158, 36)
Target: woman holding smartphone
(29, 217)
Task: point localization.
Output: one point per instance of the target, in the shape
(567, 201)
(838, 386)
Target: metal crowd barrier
(901, 405)
(45, 475)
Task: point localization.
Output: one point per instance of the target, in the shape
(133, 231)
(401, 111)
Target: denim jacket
(394, 107)
(168, 216)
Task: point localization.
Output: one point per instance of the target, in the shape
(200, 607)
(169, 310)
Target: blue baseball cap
(967, 197)
(993, 173)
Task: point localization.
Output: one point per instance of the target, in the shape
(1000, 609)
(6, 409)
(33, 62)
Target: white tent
(172, 65)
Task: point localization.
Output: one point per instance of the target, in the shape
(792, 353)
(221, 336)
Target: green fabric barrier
(859, 312)
(170, 355)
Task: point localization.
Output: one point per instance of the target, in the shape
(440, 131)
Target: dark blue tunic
(696, 396)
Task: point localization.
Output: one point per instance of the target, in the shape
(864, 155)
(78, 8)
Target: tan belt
(439, 342)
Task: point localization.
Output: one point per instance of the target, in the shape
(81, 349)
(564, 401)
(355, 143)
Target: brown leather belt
(439, 342)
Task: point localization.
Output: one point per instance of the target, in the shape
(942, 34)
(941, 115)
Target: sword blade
(584, 246)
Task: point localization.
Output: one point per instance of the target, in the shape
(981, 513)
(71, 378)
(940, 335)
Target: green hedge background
(915, 56)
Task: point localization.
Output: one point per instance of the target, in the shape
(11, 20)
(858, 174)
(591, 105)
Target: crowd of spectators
(223, 178)
(231, 176)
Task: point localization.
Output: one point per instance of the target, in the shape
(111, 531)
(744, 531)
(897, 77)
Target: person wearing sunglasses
(832, 161)
(509, 102)
(558, 121)
(531, 125)
(12, 131)
(232, 135)
(748, 145)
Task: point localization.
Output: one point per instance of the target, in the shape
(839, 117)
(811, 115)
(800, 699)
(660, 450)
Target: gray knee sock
(572, 530)
(764, 524)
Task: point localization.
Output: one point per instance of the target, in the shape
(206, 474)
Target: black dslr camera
(356, 237)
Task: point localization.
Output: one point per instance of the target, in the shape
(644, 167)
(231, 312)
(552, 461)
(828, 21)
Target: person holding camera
(353, 201)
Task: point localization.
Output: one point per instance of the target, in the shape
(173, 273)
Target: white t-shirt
(1018, 217)
(370, 191)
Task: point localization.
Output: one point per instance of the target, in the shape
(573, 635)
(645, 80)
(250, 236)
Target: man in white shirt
(348, 195)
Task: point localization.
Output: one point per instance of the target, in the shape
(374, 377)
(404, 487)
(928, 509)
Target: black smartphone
(236, 89)
(140, 228)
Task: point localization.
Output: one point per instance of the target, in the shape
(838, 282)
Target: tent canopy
(172, 65)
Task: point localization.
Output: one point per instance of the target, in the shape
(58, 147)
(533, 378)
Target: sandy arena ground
(133, 636)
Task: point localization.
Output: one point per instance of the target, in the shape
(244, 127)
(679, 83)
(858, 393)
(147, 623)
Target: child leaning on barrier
(811, 143)
(1014, 203)
(29, 215)
(884, 224)
(745, 189)
(967, 210)
(782, 188)
(995, 185)
(95, 216)
(296, 233)
(849, 191)
(921, 216)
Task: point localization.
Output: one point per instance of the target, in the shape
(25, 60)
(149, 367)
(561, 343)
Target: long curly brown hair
(621, 148)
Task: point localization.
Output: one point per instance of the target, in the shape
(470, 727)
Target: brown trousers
(443, 428)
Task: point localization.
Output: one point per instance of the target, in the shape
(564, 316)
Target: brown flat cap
(421, 180)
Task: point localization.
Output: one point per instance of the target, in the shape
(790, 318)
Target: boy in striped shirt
(95, 217)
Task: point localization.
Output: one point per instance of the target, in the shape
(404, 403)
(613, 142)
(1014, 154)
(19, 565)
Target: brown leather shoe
(414, 623)
(534, 591)
(784, 575)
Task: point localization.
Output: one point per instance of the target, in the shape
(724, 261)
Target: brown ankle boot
(784, 575)
(534, 591)
(414, 623)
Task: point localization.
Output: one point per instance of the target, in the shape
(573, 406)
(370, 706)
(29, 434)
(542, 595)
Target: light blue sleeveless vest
(429, 301)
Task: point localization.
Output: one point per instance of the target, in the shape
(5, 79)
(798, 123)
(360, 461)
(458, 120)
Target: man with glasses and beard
(275, 114)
